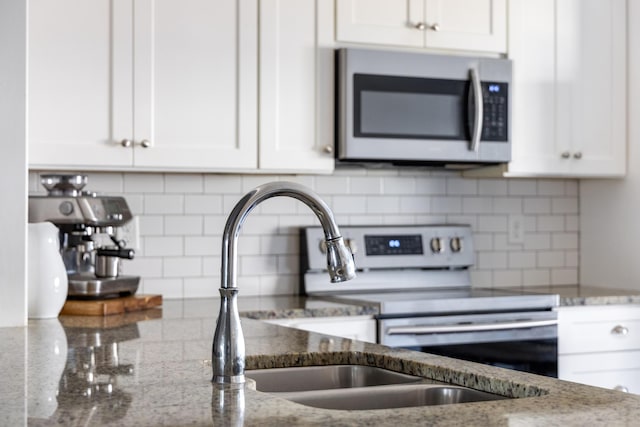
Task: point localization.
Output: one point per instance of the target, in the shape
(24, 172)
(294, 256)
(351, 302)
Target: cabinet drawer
(615, 370)
(598, 329)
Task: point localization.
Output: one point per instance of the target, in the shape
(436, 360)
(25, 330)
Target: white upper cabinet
(473, 25)
(569, 104)
(172, 85)
(296, 99)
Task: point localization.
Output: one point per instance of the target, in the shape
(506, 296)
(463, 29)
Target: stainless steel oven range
(419, 279)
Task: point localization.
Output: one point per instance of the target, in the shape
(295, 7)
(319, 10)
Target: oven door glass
(534, 356)
(412, 108)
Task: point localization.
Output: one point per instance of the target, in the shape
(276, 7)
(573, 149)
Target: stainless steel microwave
(416, 108)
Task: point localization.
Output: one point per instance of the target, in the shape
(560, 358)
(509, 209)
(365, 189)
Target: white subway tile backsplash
(519, 187)
(182, 267)
(567, 205)
(507, 205)
(183, 225)
(163, 246)
(182, 217)
(551, 188)
(164, 204)
(507, 278)
(365, 185)
(222, 184)
(492, 187)
(477, 205)
(461, 186)
(536, 277)
(399, 185)
(183, 183)
(203, 245)
(431, 185)
(564, 241)
(537, 205)
(143, 183)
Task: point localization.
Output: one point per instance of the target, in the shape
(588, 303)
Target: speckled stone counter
(153, 368)
(589, 295)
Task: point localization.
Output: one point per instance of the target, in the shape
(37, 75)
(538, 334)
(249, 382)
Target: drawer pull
(621, 388)
(620, 330)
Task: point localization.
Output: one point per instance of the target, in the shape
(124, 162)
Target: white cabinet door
(613, 370)
(177, 80)
(195, 84)
(385, 22)
(478, 25)
(80, 93)
(569, 87)
(295, 131)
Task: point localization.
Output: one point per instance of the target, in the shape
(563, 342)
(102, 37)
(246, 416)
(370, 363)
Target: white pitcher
(48, 283)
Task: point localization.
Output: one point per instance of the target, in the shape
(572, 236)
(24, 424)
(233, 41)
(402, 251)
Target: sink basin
(356, 387)
(325, 378)
(386, 397)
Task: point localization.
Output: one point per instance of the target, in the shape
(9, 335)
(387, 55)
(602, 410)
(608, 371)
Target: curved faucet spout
(228, 341)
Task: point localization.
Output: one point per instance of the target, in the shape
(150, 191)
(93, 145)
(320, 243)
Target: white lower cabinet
(600, 346)
(359, 328)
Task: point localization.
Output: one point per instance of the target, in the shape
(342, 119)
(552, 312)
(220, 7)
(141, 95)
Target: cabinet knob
(565, 154)
(145, 143)
(620, 330)
(328, 149)
(621, 388)
(577, 155)
(420, 26)
(126, 143)
(435, 27)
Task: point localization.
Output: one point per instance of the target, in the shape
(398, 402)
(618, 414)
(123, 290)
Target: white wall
(610, 210)
(182, 218)
(13, 170)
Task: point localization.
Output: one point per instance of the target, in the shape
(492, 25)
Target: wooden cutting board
(111, 306)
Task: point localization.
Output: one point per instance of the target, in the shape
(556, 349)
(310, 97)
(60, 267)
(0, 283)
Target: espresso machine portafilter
(88, 223)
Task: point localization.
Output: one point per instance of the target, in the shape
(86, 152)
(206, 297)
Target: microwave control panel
(495, 107)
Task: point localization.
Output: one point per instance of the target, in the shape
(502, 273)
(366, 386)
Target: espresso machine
(88, 224)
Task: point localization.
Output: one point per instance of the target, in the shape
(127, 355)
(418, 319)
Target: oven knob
(436, 245)
(456, 244)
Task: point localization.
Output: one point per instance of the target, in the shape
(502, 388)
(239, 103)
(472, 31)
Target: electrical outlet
(129, 234)
(516, 229)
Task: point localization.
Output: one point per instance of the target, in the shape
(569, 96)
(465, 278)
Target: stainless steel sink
(325, 378)
(356, 387)
(394, 396)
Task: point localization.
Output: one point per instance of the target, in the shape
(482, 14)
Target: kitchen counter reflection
(143, 369)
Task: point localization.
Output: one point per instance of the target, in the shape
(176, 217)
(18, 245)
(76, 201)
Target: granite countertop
(153, 368)
(588, 295)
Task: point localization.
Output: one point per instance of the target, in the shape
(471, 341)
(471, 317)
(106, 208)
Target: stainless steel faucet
(228, 341)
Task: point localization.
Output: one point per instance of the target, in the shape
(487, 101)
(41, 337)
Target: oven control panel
(385, 247)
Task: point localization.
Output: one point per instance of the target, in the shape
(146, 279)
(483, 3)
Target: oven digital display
(393, 245)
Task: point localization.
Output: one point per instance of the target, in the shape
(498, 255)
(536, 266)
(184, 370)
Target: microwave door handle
(478, 110)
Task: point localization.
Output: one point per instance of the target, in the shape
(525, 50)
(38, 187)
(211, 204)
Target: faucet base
(228, 379)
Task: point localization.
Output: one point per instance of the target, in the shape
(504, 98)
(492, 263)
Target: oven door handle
(478, 327)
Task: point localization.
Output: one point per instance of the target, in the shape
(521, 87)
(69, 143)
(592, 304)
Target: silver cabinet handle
(426, 329)
(620, 330)
(621, 388)
(435, 27)
(145, 143)
(577, 155)
(126, 143)
(420, 26)
(565, 155)
(478, 105)
(328, 149)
